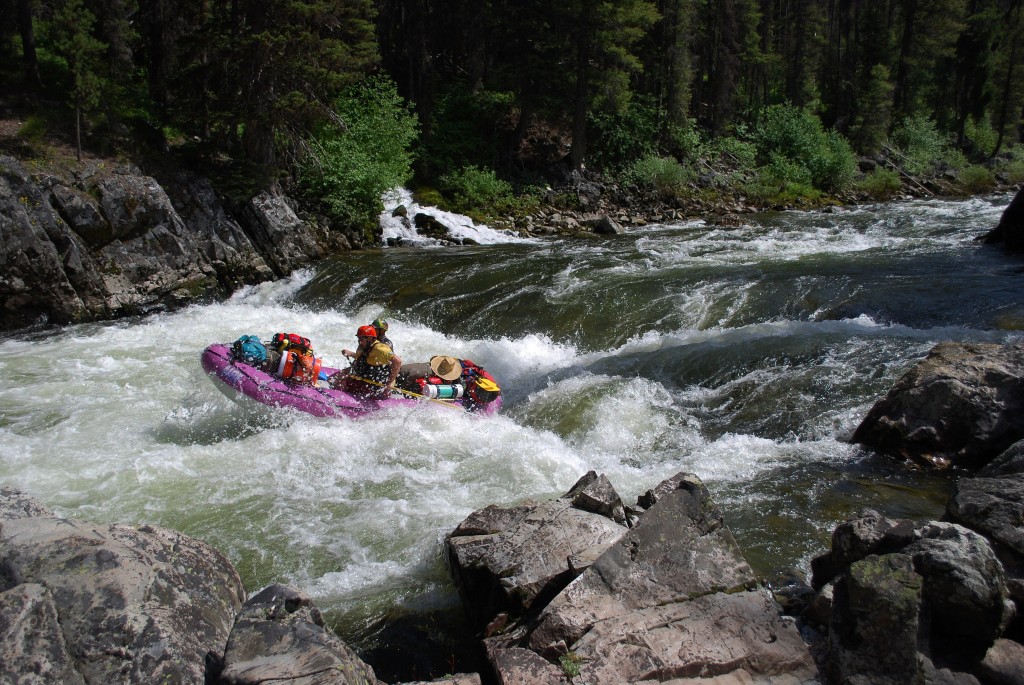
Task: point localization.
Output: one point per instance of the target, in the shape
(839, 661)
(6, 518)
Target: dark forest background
(483, 105)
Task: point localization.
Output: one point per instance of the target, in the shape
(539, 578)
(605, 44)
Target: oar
(407, 392)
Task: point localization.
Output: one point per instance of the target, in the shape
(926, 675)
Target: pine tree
(267, 69)
(71, 37)
(605, 33)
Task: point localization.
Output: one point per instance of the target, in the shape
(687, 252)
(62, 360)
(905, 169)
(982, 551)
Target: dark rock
(109, 243)
(286, 242)
(873, 635)
(33, 648)
(428, 226)
(15, 504)
(961, 406)
(792, 592)
(993, 507)
(939, 591)
(668, 601)
(605, 225)
(1008, 463)
(596, 494)
(1010, 229)
(964, 590)
(680, 549)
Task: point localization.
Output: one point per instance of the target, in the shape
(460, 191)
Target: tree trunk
(28, 44)
(78, 128)
(584, 44)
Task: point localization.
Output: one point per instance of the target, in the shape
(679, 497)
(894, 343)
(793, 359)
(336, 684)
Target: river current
(747, 355)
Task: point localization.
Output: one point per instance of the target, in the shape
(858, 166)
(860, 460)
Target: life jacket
(299, 368)
(284, 342)
(361, 369)
(250, 350)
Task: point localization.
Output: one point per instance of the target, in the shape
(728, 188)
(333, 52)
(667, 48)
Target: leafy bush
(35, 128)
(726, 163)
(811, 154)
(349, 167)
(881, 184)
(782, 184)
(472, 189)
(664, 175)
(976, 179)
(1012, 164)
(922, 148)
(732, 150)
(685, 141)
(626, 136)
(981, 134)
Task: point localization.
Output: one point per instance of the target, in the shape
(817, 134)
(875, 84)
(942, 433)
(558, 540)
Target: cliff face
(111, 241)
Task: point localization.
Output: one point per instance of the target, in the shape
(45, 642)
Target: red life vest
(300, 368)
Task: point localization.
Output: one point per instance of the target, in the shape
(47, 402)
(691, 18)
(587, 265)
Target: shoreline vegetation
(723, 180)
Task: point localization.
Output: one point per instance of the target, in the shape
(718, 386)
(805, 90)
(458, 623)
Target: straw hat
(448, 368)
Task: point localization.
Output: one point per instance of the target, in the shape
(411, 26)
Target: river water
(747, 355)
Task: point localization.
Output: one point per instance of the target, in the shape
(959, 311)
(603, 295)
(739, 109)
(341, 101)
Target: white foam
(459, 226)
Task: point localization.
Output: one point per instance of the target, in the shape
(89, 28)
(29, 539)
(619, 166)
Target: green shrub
(429, 197)
(34, 129)
(923, 148)
(811, 154)
(881, 184)
(625, 136)
(734, 151)
(981, 134)
(726, 164)
(664, 175)
(570, 664)
(685, 140)
(781, 184)
(349, 168)
(472, 189)
(976, 179)
(1012, 164)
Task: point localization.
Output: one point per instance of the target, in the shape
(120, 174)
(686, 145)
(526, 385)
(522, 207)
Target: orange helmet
(366, 332)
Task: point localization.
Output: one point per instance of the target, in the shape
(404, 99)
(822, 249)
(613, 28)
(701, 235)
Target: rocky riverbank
(103, 239)
(587, 588)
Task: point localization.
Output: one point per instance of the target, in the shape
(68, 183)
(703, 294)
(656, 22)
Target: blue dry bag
(250, 350)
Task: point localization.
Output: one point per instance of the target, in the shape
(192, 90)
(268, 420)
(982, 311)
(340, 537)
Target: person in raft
(381, 326)
(374, 367)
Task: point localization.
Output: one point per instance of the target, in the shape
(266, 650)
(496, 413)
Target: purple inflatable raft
(240, 381)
